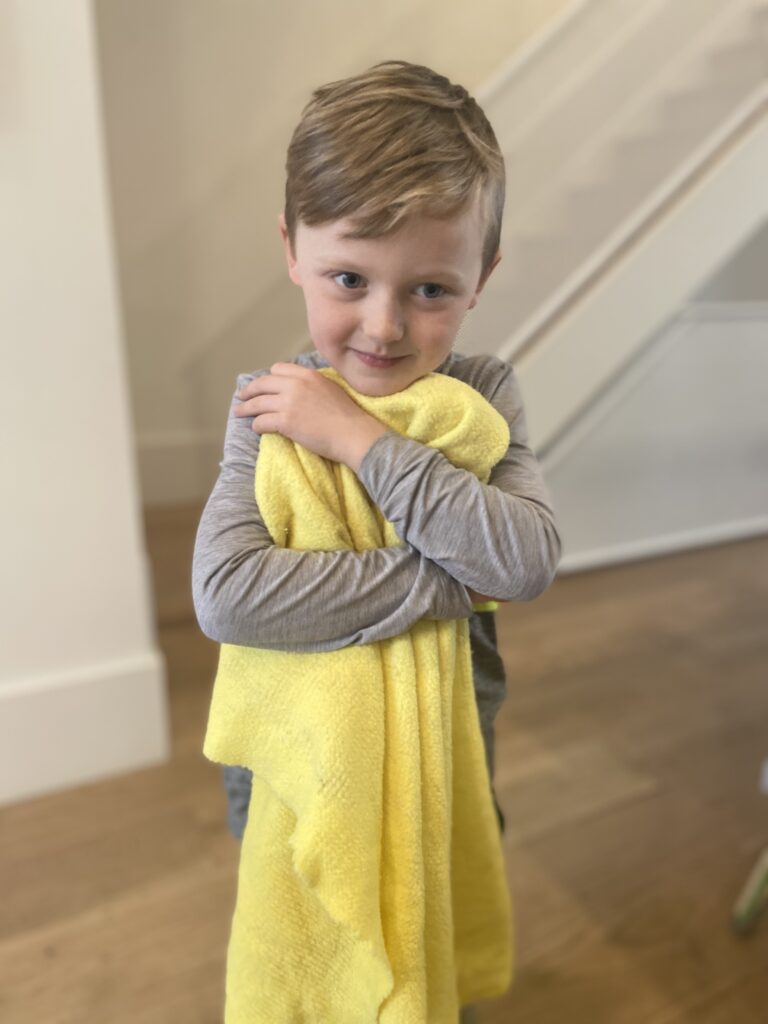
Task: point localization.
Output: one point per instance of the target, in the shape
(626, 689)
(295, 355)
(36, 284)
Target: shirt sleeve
(498, 538)
(248, 591)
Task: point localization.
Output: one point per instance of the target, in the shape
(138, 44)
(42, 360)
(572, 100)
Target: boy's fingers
(268, 383)
(290, 370)
(256, 405)
(265, 423)
(263, 385)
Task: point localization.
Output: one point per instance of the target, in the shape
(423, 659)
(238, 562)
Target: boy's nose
(384, 322)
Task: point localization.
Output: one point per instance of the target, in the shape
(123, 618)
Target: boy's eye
(350, 281)
(431, 286)
(348, 274)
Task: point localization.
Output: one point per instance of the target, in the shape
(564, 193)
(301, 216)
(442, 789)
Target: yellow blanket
(371, 885)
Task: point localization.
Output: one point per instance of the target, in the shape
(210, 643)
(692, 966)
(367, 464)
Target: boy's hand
(309, 408)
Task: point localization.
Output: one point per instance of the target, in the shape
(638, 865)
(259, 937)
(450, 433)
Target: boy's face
(385, 311)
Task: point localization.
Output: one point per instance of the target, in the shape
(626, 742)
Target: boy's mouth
(378, 362)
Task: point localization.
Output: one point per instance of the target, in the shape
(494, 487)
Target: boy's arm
(250, 592)
(498, 538)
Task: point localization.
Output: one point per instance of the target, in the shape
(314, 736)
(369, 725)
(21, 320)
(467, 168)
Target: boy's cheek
(329, 324)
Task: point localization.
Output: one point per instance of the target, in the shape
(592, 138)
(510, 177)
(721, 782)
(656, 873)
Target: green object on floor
(753, 897)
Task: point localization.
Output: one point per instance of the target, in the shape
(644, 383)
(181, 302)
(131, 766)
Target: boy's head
(393, 208)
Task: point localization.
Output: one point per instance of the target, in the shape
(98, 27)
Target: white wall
(675, 454)
(201, 100)
(81, 681)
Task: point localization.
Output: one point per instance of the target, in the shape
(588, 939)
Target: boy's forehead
(452, 240)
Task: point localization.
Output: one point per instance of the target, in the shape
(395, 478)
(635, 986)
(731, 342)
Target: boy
(391, 227)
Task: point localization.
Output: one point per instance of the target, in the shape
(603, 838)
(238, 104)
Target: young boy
(393, 207)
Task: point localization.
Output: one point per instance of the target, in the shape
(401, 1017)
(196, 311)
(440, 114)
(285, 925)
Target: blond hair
(395, 140)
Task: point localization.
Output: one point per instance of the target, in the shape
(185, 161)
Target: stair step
(698, 113)
(759, 18)
(739, 64)
(643, 164)
(591, 212)
(636, 167)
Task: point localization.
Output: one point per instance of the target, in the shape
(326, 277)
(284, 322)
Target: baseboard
(81, 725)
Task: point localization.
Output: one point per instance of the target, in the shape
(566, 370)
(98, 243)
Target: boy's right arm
(250, 592)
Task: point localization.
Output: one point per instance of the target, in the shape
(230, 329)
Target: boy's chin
(380, 389)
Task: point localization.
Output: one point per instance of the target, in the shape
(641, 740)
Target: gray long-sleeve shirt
(497, 538)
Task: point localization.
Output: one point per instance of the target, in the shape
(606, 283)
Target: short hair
(395, 140)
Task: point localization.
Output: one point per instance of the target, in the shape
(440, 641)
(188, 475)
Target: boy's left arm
(498, 538)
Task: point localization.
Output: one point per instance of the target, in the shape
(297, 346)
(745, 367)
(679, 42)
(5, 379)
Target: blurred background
(142, 148)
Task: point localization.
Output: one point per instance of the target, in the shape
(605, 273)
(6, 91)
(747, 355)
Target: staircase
(636, 142)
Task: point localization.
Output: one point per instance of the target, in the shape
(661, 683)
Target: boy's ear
(483, 278)
(293, 271)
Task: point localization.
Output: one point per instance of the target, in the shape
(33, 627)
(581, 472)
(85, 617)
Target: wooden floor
(628, 757)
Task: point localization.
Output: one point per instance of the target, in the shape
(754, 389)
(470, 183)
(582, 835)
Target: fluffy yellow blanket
(372, 884)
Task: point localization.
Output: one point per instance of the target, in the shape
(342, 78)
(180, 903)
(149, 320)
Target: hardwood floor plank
(540, 788)
(129, 956)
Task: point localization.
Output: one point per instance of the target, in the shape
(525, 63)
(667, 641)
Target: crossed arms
(497, 538)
